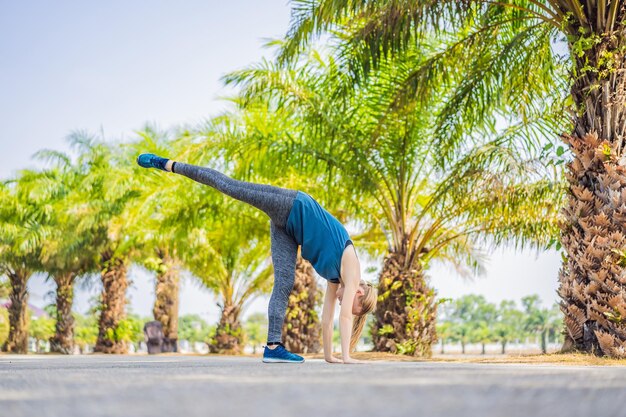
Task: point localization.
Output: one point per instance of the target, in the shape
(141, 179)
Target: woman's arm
(328, 314)
(351, 273)
(345, 320)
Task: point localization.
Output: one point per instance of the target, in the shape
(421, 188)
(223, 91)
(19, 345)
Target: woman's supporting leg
(274, 201)
(284, 254)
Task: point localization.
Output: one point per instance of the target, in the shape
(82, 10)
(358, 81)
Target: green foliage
(129, 329)
(256, 329)
(384, 157)
(4, 325)
(86, 331)
(41, 328)
(4, 288)
(385, 330)
(193, 328)
(471, 319)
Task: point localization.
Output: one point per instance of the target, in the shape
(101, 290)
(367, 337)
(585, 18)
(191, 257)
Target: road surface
(212, 386)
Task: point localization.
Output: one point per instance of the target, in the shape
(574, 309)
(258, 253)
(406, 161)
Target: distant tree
(256, 330)
(86, 331)
(444, 332)
(468, 315)
(41, 329)
(485, 318)
(509, 323)
(132, 327)
(194, 329)
(540, 320)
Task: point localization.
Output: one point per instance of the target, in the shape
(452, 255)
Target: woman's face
(356, 304)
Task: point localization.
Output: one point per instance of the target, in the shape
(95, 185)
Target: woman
(296, 219)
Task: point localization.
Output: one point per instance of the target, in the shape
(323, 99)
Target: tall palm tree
(66, 255)
(22, 229)
(158, 243)
(106, 188)
(506, 47)
(378, 148)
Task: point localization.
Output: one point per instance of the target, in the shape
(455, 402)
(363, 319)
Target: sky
(111, 67)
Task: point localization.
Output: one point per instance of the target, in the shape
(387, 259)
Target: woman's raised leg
(276, 202)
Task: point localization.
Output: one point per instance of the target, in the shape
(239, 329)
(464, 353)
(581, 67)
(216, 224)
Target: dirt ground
(549, 359)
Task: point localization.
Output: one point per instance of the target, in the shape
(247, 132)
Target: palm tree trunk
(405, 315)
(302, 328)
(63, 340)
(594, 231)
(17, 342)
(113, 303)
(228, 335)
(166, 303)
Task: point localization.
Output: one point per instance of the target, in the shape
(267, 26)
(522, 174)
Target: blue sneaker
(280, 355)
(148, 160)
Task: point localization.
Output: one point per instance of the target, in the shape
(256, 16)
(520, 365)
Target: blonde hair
(368, 304)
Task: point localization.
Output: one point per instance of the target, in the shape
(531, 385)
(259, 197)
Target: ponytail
(368, 304)
(357, 328)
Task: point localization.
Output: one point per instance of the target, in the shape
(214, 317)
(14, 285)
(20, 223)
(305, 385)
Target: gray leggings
(276, 203)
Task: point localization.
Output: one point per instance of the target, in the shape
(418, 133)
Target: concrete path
(189, 386)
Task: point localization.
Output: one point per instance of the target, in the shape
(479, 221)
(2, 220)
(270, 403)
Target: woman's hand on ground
(351, 361)
(332, 359)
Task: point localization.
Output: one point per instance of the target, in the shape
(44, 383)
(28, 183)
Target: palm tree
(22, 230)
(379, 150)
(105, 189)
(66, 255)
(165, 309)
(506, 47)
(80, 242)
(158, 242)
(194, 329)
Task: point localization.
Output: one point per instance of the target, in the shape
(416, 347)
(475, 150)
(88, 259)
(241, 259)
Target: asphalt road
(189, 386)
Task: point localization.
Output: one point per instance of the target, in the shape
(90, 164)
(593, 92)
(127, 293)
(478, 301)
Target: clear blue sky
(113, 66)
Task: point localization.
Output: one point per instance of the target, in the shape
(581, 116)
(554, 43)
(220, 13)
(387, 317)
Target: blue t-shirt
(322, 237)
